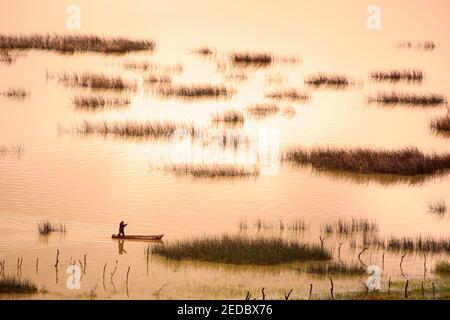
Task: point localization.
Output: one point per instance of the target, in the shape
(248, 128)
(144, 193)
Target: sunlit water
(91, 183)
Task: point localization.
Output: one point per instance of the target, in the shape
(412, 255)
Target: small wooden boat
(139, 237)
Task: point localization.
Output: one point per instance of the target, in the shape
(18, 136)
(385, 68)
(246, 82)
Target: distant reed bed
(288, 94)
(74, 43)
(406, 161)
(236, 249)
(229, 116)
(14, 93)
(261, 110)
(150, 129)
(415, 244)
(251, 58)
(214, 170)
(195, 91)
(441, 124)
(94, 102)
(393, 98)
(96, 81)
(438, 207)
(397, 75)
(335, 81)
(427, 45)
(349, 226)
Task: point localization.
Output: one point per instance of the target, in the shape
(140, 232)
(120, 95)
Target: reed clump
(394, 98)
(405, 162)
(397, 75)
(214, 170)
(195, 91)
(150, 129)
(99, 102)
(251, 58)
(441, 124)
(8, 57)
(438, 207)
(261, 110)
(11, 285)
(229, 116)
(328, 80)
(96, 81)
(158, 78)
(75, 43)
(417, 244)
(349, 226)
(442, 267)
(238, 249)
(14, 93)
(288, 94)
(335, 268)
(9, 150)
(204, 51)
(427, 45)
(47, 227)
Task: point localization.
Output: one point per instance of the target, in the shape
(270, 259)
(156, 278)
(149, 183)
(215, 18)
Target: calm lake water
(91, 183)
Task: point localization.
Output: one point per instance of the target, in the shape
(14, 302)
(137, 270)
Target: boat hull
(139, 237)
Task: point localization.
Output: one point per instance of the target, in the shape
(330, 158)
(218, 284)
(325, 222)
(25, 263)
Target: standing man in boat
(122, 226)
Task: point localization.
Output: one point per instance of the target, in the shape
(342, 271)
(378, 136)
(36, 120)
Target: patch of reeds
(96, 81)
(158, 78)
(8, 57)
(261, 110)
(10, 150)
(237, 249)
(47, 227)
(251, 58)
(204, 51)
(335, 81)
(214, 170)
(427, 45)
(151, 129)
(14, 93)
(442, 267)
(335, 268)
(288, 94)
(397, 75)
(438, 207)
(406, 161)
(418, 244)
(11, 285)
(195, 91)
(394, 98)
(349, 226)
(441, 124)
(74, 43)
(137, 65)
(229, 116)
(99, 102)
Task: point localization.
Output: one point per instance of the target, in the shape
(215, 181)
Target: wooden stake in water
(128, 273)
(104, 270)
(332, 289)
(37, 266)
(57, 258)
(310, 291)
